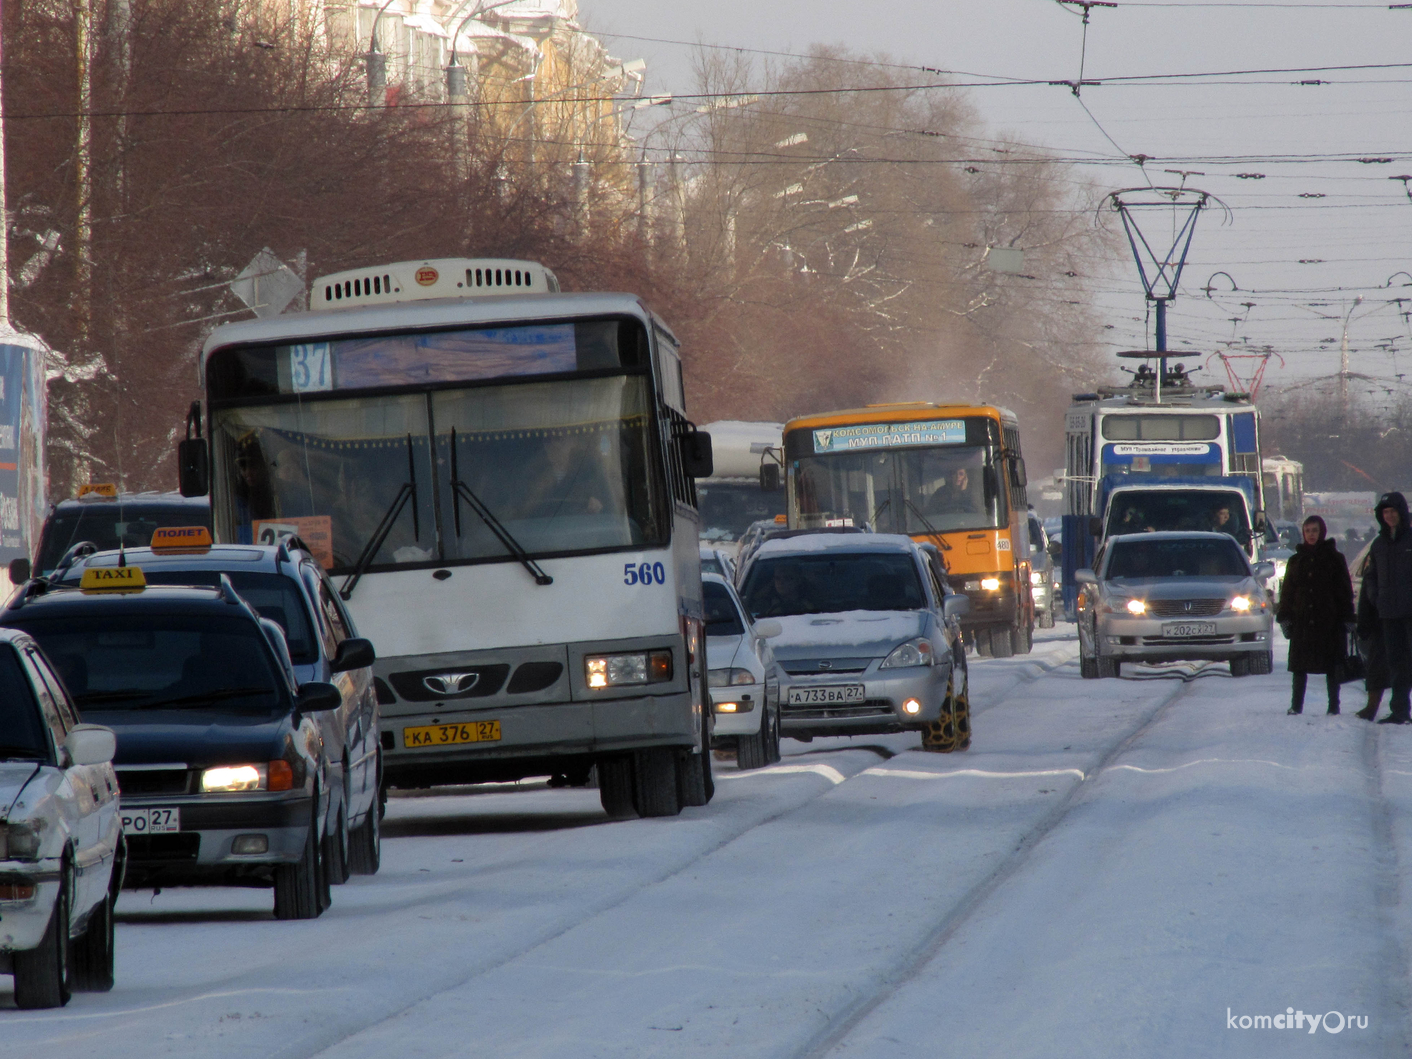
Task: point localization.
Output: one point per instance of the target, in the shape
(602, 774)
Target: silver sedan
(1161, 597)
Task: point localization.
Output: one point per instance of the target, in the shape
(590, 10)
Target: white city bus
(499, 478)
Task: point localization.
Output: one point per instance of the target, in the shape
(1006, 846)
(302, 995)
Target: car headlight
(916, 652)
(990, 584)
(1136, 606)
(1036, 577)
(1240, 603)
(724, 678)
(19, 841)
(643, 667)
(266, 776)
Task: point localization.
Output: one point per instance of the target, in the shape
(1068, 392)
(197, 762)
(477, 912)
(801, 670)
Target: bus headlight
(643, 667)
(990, 584)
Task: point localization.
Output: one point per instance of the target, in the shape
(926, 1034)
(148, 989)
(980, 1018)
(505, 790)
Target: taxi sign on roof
(106, 490)
(179, 539)
(113, 579)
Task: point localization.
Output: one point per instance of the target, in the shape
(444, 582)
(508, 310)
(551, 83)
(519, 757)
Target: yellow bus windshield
(938, 489)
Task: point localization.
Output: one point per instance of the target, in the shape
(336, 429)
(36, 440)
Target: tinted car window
(1177, 558)
(712, 566)
(273, 596)
(1037, 541)
(825, 584)
(21, 729)
(722, 619)
(111, 524)
(161, 661)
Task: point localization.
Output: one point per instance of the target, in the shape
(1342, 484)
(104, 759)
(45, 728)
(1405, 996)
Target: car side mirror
(20, 571)
(769, 478)
(696, 454)
(768, 628)
(1085, 577)
(193, 467)
(353, 653)
(1263, 570)
(317, 696)
(957, 606)
(90, 744)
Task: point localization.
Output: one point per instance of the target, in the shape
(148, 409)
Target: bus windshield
(728, 509)
(911, 491)
(563, 467)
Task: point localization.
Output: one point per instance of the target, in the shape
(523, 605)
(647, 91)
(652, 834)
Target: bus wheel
(1023, 638)
(1002, 644)
(980, 640)
(655, 784)
(615, 776)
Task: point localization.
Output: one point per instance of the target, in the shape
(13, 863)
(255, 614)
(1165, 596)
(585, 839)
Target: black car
(223, 777)
(116, 520)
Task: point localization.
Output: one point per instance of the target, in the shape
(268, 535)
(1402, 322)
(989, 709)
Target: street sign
(267, 285)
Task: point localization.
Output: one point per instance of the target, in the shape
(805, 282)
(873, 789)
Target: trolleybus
(949, 474)
(500, 479)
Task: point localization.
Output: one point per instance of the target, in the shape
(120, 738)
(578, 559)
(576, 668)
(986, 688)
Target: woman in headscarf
(1316, 605)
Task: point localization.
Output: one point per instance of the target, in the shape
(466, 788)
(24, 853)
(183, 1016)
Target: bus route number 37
(644, 574)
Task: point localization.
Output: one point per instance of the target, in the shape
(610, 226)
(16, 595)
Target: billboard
(23, 418)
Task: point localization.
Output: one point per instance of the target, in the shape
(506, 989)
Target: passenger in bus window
(254, 499)
(1221, 520)
(572, 479)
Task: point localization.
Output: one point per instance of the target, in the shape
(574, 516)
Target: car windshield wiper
(408, 491)
(209, 696)
(27, 752)
(90, 698)
(461, 491)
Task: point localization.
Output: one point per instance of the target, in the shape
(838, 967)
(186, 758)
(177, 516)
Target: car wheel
(1002, 644)
(941, 736)
(1088, 667)
(1108, 667)
(42, 973)
(774, 715)
(1240, 665)
(336, 852)
(297, 885)
(365, 845)
(615, 776)
(1262, 662)
(91, 956)
(1046, 620)
(752, 751)
(963, 716)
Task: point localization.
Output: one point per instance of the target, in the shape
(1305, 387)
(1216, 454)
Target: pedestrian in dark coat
(1376, 677)
(1389, 583)
(1316, 607)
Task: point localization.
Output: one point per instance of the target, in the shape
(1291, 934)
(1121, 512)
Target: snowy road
(1115, 868)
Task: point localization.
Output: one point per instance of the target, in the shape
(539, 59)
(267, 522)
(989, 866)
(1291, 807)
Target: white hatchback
(745, 691)
(61, 844)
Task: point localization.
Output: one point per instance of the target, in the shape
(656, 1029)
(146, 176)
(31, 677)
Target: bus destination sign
(890, 435)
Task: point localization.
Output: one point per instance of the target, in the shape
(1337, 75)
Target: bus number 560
(644, 573)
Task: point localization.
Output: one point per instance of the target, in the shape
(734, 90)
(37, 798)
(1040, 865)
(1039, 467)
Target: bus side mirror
(1017, 472)
(19, 571)
(1259, 519)
(193, 467)
(1095, 526)
(769, 478)
(696, 454)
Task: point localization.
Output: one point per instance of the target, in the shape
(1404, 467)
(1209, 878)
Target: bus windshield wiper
(389, 519)
(206, 696)
(936, 537)
(461, 491)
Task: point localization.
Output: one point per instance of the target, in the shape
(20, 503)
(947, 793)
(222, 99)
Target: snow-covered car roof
(856, 543)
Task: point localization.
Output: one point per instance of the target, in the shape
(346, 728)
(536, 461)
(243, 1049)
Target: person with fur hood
(1316, 606)
(1389, 586)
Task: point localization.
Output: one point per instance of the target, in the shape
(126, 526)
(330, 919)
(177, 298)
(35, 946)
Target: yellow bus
(950, 475)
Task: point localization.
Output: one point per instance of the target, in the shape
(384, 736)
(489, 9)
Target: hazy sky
(1353, 238)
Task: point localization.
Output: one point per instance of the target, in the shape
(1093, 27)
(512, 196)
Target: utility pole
(83, 159)
(1343, 359)
(4, 220)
